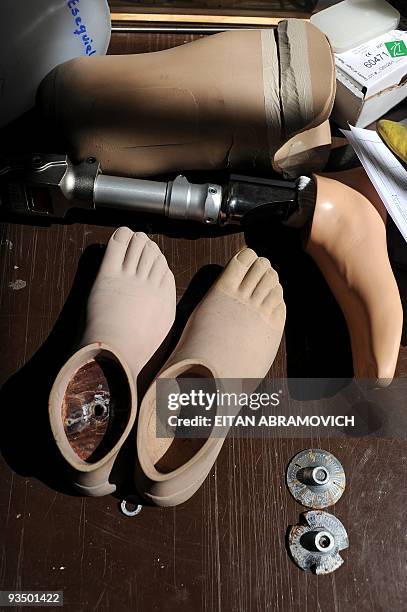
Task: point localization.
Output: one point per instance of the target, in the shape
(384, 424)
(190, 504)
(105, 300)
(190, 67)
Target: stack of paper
(385, 171)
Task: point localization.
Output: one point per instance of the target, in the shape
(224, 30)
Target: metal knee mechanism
(50, 185)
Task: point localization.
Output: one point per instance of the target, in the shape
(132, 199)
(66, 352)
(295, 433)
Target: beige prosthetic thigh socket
(347, 240)
(93, 401)
(234, 333)
(228, 100)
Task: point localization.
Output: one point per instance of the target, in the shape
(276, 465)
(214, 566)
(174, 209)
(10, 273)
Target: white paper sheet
(384, 170)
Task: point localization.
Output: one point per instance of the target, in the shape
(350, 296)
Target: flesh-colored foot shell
(234, 333)
(93, 401)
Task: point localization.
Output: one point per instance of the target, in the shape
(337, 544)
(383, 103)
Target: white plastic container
(36, 36)
(353, 22)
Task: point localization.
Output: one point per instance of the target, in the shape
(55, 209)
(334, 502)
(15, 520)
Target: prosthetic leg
(252, 99)
(341, 218)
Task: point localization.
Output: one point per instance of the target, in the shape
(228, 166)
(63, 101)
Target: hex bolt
(315, 476)
(318, 540)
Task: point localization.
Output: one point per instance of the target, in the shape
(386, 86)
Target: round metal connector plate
(316, 541)
(316, 478)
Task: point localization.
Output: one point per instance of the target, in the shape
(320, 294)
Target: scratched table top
(225, 548)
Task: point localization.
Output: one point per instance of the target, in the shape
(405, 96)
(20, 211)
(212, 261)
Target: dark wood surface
(225, 548)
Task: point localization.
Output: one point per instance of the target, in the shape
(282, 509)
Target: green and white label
(396, 48)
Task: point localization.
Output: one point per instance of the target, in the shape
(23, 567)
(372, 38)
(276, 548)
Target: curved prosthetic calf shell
(347, 240)
(233, 333)
(214, 103)
(93, 401)
(357, 179)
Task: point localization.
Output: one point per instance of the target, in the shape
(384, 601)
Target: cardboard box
(371, 79)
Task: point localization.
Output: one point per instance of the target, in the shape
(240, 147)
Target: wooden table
(225, 548)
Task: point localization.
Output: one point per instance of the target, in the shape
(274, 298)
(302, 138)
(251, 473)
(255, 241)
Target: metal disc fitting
(315, 478)
(316, 541)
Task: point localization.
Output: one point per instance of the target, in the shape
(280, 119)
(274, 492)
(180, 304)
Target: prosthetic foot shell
(93, 402)
(235, 99)
(92, 408)
(234, 333)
